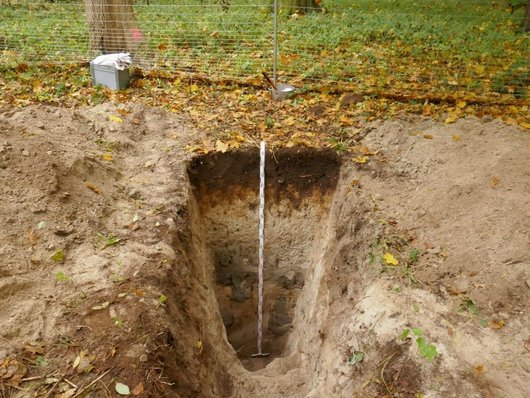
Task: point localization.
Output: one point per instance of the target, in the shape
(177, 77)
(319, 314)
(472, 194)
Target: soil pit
(299, 186)
(146, 311)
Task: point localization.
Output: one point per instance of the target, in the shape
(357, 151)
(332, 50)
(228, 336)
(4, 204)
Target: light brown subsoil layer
(157, 288)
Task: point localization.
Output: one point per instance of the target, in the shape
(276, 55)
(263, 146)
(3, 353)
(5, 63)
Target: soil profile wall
(299, 186)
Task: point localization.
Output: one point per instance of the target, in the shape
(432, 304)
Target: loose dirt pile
(126, 259)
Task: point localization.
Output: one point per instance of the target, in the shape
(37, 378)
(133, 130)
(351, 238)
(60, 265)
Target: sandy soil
(126, 259)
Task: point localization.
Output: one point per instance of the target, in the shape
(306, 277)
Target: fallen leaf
(107, 157)
(101, 306)
(77, 360)
(289, 121)
(345, 120)
(199, 346)
(68, 393)
(221, 146)
(13, 370)
(451, 118)
(427, 136)
(92, 187)
(360, 159)
(480, 69)
(138, 390)
(495, 181)
(455, 137)
(122, 389)
(21, 68)
(497, 324)
(117, 119)
(34, 349)
(390, 259)
(58, 256)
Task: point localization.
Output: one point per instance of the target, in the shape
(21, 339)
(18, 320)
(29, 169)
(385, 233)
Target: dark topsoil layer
(291, 173)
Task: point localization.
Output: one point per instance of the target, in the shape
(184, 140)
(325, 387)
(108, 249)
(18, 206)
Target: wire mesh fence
(422, 46)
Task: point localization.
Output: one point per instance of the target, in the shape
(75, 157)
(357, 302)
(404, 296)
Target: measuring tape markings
(261, 245)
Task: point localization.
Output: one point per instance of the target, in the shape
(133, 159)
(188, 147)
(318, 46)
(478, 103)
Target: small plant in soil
(468, 305)
(60, 276)
(107, 239)
(356, 358)
(408, 271)
(337, 145)
(58, 256)
(162, 299)
(385, 251)
(108, 146)
(426, 350)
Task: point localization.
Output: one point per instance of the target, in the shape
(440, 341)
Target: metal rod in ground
(261, 254)
(275, 52)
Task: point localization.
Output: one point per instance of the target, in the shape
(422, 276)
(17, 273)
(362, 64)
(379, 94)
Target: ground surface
(118, 265)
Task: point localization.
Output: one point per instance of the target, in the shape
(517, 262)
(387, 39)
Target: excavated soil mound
(124, 258)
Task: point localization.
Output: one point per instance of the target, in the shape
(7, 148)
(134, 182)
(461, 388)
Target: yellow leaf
(427, 136)
(525, 125)
(220, 146)
(345, 120)
(360, 159)
(461, 104)
(194, 88)
(77, 360)
(289, 121)
(107, 157)
(451, 118)
(199, 346)
(117, 119)
(495, 181)
(479, 69)
(197, 149)
(390, 259)
(497, 324)
(138, 390)
(234, 144)
(455, 137)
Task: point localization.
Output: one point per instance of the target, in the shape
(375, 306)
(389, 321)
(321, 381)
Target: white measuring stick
(261, 246)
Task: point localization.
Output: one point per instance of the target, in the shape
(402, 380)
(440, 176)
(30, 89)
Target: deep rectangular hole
(299, 186)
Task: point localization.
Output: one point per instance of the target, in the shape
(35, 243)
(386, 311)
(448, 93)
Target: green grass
(430, 46)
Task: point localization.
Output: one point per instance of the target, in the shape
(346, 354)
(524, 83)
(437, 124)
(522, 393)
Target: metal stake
(261, 235)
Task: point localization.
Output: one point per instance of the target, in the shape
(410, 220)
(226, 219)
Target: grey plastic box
(109, 76)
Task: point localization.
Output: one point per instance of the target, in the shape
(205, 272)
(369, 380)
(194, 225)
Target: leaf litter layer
(427, 232)
(236, 114)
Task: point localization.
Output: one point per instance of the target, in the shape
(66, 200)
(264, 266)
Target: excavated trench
(299, 186)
